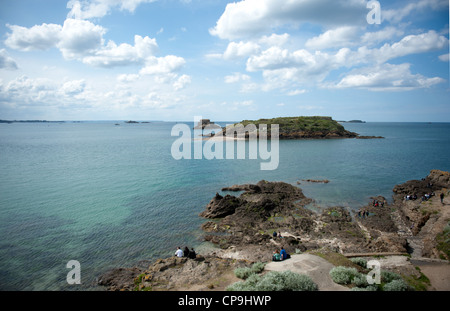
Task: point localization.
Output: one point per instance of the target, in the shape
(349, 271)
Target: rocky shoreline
(242, 226)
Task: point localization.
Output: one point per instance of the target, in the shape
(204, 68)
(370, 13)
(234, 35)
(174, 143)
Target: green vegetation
(310, 125)
(359, 261)
(246, 272)
(390, 281)
(343, 275)
(275, 281)
(420, 283)
(443, 242)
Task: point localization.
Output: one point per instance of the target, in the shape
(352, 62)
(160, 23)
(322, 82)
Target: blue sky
(223, 60)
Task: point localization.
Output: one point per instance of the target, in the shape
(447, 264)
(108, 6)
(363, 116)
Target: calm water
(111, 196)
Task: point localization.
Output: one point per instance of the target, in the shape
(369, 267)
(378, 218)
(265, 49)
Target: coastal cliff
(242, 227)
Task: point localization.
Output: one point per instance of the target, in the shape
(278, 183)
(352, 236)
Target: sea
(109, 196)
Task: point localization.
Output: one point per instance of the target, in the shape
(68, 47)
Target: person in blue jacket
(283, 254)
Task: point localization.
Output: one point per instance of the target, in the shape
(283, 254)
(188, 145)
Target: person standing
(442, 197)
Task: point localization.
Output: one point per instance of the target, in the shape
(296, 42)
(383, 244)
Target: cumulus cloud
(254, 17)
(338, 37)
(83, 40)
(236, 77)
(6, 62)
(181, 82)
(88, 9)
(38, 37)
(398, 14)
(124, 54)
(241, 49)
(387, 77)
(73, 87)
(79, 38)
(162, 65)
(413, 44)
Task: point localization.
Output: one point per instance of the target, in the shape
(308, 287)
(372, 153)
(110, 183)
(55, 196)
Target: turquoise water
(112, 196)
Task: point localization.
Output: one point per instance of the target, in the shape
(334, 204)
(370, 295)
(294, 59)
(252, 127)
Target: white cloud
(80, 38)
(6, 62)
(387, 77)
(282, 68)
(124, 54)
(162, 65)
(126, 78)
(338, 37)
(387, 33)
(236, 77)
(254, 17)
(73, 87)
(274, 39)
(241, 49)
(398, 14)
(83, 40)
(444, 57)
(181, 82)
(88, 9)
(412, 44)
(296, 92)
(38, 37)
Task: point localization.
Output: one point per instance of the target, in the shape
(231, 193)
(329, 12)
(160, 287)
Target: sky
(172, 60)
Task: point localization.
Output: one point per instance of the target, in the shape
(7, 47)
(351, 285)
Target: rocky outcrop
(201, 273)
(246, 224)
(421, 210)
(242, 227)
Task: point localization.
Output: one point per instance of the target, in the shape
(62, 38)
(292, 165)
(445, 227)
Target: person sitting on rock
(276, 256)
(186, 252)
(274, 234)
(283, 254)
(179, 252)
(192, 254)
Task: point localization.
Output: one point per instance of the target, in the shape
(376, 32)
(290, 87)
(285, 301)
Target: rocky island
(411, 230)
(316, 127)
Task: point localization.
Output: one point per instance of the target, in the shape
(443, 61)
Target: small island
(203, 123)
(315, 127)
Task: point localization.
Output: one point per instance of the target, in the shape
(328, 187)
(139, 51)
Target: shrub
(370, 288)
(360, 262)
(246, 272)
(397, 285)
(343, 275)
(389, 276)
(239, 287)
(360, 280)
(243, 273)
(258, 267)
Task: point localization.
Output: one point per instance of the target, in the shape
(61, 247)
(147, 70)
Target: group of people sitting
(186, 253)
(376, 203)
(425, 197)
(275, 235)
(281, 255)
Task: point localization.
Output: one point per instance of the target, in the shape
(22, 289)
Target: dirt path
(317, 268)
(437, 272)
